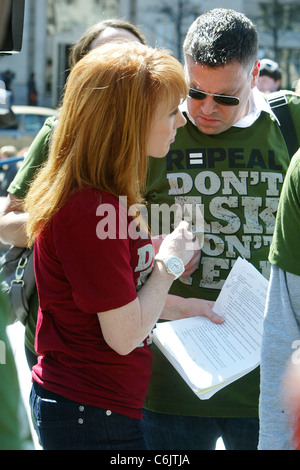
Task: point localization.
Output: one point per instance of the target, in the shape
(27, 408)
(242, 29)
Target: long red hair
(101, 137)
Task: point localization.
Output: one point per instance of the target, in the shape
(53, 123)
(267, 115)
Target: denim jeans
(62, 424)
(174, 432)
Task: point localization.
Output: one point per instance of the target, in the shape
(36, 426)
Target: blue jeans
(174, 432)
(63, 424)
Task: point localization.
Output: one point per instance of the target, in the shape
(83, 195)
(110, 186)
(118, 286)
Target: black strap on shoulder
(279, 105)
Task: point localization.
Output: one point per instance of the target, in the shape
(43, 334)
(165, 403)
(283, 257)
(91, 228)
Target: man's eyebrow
(198, 87)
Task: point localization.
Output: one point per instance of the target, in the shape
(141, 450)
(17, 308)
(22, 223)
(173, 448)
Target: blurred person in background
(269, 79)
(281, 335)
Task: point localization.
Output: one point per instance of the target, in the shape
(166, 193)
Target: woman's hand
(192, 264)
(178, 243)
(177, 308)
(157, 241)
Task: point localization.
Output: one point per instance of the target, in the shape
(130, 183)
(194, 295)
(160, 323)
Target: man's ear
(255, 74)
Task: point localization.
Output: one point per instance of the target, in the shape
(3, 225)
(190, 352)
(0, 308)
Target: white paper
(209, 356)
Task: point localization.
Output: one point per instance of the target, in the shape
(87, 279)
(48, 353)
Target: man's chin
(208, 126)
(210, 129)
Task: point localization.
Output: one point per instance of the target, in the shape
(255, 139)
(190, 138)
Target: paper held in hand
(210, 356)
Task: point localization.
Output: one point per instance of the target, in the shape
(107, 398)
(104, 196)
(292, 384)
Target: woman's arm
(126, 327)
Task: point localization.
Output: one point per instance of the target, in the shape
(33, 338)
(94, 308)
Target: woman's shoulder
(93, 196)
(85, 201)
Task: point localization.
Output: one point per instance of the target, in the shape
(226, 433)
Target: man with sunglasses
(230, 159)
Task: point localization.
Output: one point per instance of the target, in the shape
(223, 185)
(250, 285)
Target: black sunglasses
(220, 99)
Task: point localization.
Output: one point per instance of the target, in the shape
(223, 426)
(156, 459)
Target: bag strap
(19, 298)
(279, 105)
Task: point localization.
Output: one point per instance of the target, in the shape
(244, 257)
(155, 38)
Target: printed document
(210, 356)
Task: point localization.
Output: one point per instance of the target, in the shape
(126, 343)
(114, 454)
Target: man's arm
(12, 215)
(12, 222)
(281, 330)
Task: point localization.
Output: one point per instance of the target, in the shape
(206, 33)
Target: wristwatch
(173, 264)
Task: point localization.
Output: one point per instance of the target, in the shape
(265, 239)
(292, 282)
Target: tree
(178, 11)
(279, 17)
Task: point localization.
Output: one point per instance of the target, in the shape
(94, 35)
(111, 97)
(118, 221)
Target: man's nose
(208, 105)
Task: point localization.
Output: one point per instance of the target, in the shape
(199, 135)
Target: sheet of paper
(208, 355)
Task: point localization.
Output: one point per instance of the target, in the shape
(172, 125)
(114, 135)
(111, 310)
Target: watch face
(175, 265)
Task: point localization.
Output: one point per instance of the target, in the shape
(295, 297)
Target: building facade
(52, 26)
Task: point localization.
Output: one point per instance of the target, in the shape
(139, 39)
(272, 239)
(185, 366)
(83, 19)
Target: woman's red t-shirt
(78, 275)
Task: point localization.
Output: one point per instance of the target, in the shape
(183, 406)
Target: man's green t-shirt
(284, 252)
(234, 179)
(37, 155)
